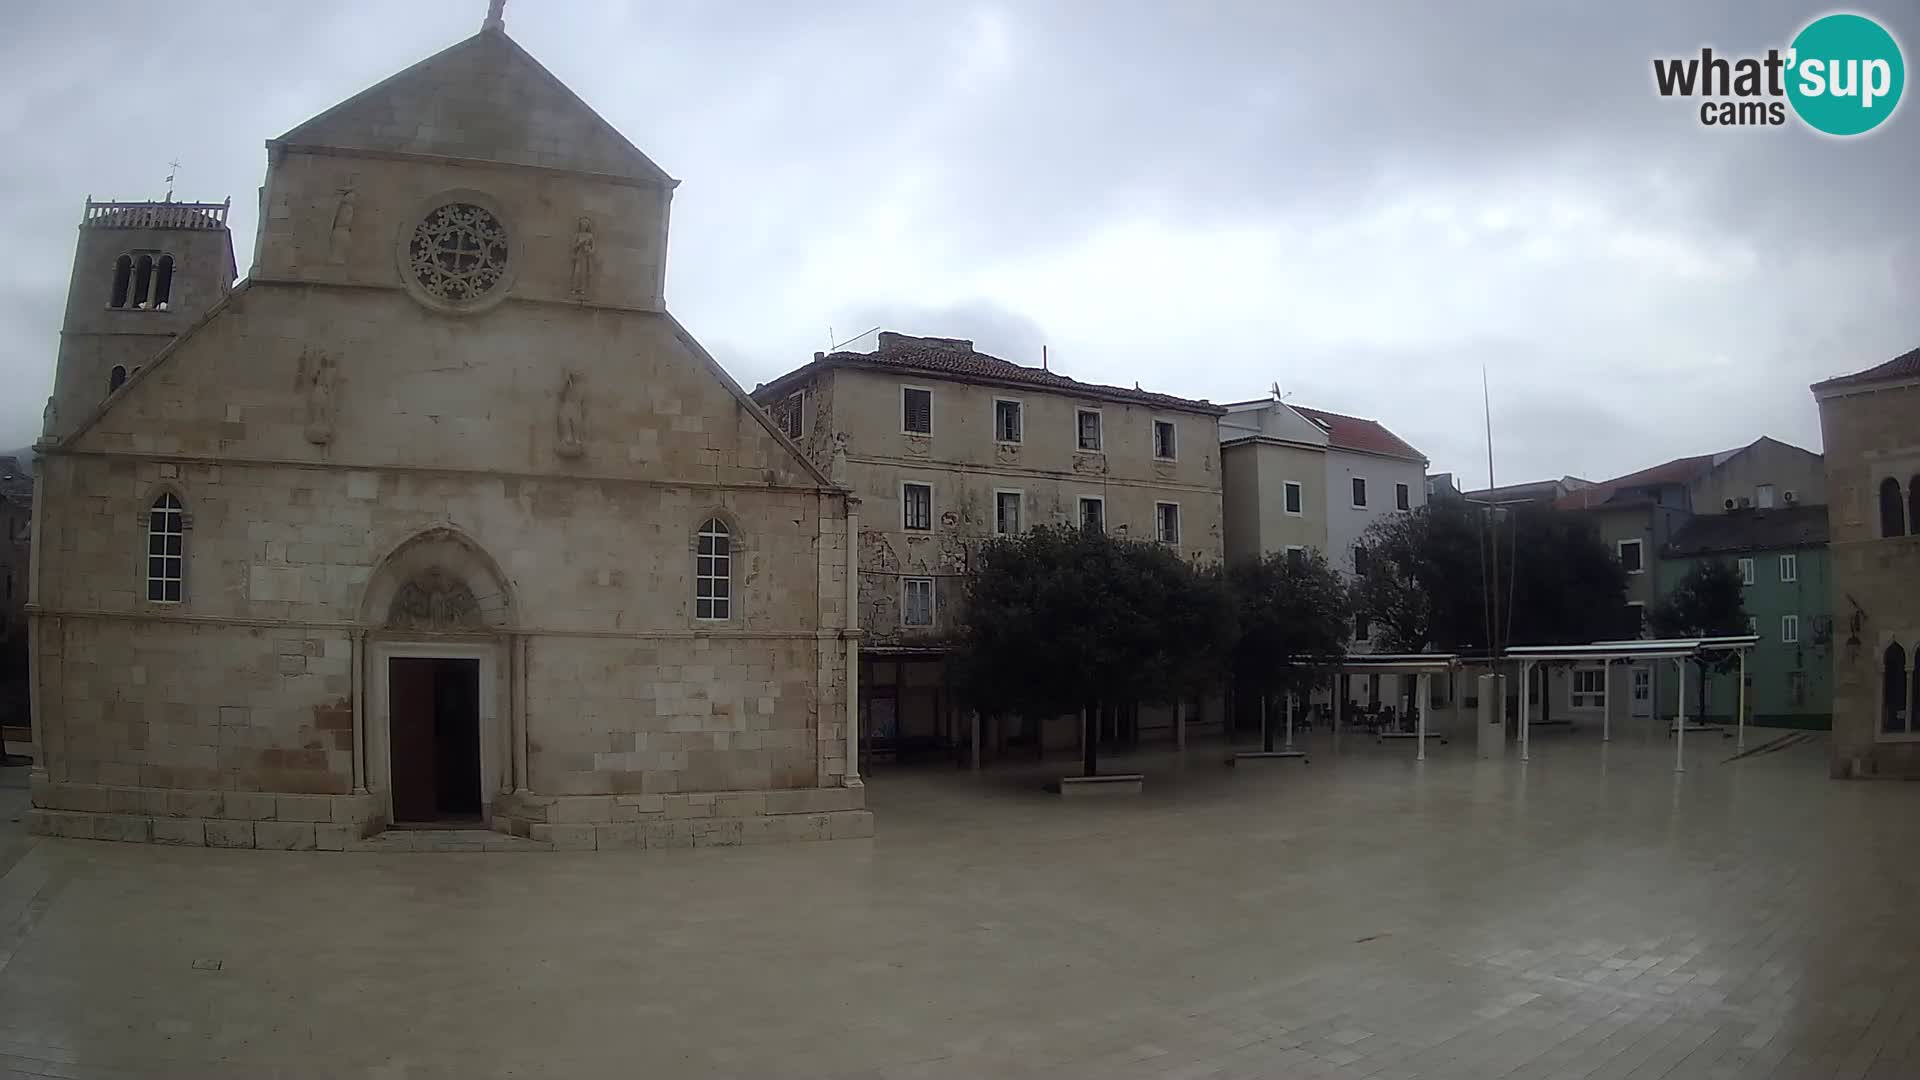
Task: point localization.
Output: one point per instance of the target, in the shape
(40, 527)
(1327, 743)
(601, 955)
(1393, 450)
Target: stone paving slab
(1592, 915)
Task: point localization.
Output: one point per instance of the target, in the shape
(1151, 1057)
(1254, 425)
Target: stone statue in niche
(49, 418)
(342, 233)
(316, 380)
(837, 469)
(435, 601)
(571, 440)
(581, 282)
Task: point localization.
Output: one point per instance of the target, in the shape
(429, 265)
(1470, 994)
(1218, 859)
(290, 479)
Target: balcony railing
(156, 215)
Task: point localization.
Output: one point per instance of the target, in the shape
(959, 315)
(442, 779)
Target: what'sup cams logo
(1842, 75)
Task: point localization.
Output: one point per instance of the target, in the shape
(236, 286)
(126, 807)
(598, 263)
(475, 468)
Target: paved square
(1591, 915)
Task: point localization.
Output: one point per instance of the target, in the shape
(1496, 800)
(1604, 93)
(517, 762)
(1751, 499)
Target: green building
(1782, 556)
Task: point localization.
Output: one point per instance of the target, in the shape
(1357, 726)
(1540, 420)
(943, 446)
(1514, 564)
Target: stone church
(438, 519)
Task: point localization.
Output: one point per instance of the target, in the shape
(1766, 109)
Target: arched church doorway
(437, 610)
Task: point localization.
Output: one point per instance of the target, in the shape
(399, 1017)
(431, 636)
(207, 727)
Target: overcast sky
(1364, 202)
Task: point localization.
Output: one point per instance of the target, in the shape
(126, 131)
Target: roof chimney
(890, 341)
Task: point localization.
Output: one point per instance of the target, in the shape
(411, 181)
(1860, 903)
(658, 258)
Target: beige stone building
(1870, 425)
(440, 517)
(945, 447)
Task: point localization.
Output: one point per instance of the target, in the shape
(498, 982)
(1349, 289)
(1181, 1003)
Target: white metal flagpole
(1526, 710)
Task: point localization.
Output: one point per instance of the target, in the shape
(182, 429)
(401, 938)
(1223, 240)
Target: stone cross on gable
(496, 15)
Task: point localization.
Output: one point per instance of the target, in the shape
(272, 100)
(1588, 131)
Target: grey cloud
(863, 163)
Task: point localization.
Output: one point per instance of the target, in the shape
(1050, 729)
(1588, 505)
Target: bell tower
(143, 273)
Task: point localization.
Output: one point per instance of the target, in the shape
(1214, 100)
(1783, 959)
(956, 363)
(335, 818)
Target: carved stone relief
(340, 237)
(571, 435)
(1006, 453)
(918, 445)
(837, 472)
(436, 601)
(316, 380)
(1090, 464)
(580, 284)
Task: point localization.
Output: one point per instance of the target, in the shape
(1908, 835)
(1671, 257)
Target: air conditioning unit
(1789, 496)
(1729, 504)
(1745, 502)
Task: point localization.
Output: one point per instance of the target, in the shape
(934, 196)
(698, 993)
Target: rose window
(459, 253)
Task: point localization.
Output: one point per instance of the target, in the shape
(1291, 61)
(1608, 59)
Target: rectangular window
(1589, 688)
(1164, 446)
(1642, 684)
(916, 601)
(1753, 625)
(1093, 514)
(1087, 422)
(1167, 516)
(916, 507)
(1636, 620)
(1294, 501)
(1006, 513)
(1401, 497)
(1630, 556)
(1359, 491)
(1746, 571)
(792, 419)
(1790, 629)
(1796, 688)
(1360, 560)
(916, 411)
(1763, 496)
(1361, 631)
(1296, 555)
(1789, 568)
(1006, 421)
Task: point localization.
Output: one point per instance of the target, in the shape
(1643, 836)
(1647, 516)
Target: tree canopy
(1709, 600)
(1057, 620)
(1426, 581)
(1294, 621)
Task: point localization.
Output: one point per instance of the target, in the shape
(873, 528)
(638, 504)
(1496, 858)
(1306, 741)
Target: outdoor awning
(1397, 663)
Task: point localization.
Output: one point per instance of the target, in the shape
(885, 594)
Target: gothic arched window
(116, 378)
(122, 281)
(1894, 717)
(1891, 511)
(142, 281)
(166, 551)
(713, 571)
(163, 283)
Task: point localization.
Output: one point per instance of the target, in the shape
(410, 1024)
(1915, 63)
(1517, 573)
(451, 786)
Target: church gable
(521, 393)
(483, 99)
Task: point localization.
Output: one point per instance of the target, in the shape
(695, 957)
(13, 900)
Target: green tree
(1429, 580)
(1060, 620)
(1295, 616)
(1709, 600)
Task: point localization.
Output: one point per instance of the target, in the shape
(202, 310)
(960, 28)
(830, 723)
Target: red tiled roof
(959, 360)
(1355, 433)
(1904, 366)
(1678, 471)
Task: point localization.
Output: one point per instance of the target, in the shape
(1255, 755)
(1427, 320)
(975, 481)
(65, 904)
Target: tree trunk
(1090, 740)
(1700, 694)
(1266, 725)
(1546, 695)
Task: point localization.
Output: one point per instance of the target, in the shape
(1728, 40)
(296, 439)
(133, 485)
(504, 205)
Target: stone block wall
(1870, 434)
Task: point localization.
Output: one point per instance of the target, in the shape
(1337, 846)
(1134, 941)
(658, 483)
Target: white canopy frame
(1421, 665)
(1679, 650)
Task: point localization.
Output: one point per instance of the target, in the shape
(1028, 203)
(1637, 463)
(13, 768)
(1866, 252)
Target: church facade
(438, 518)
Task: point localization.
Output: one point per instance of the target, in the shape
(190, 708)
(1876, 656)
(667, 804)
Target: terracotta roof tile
(1678, 471)
(1904, 366)
(1751, 530)
(1356, 433)
(959, 360)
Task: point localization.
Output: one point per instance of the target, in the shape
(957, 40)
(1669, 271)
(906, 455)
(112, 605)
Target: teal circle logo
(1845, 74)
